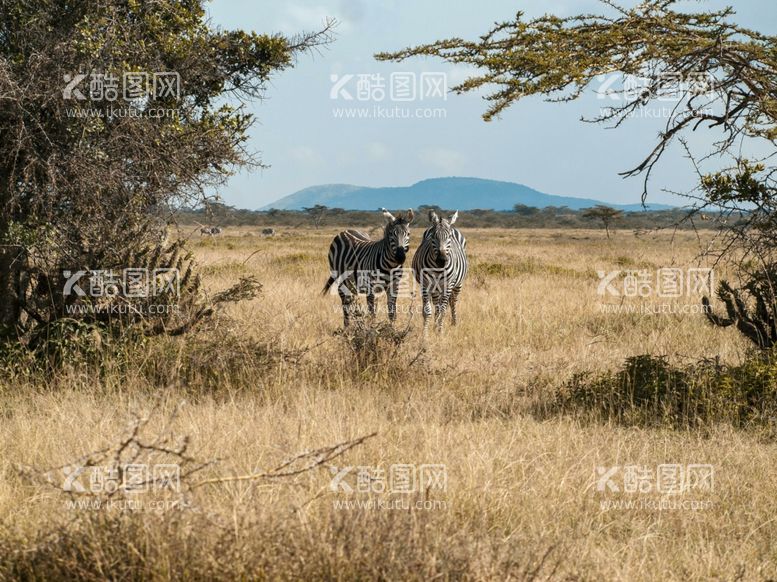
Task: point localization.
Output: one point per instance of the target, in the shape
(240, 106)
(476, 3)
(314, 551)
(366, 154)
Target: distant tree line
(520, 216)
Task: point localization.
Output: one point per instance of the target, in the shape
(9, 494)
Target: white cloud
(444, 159)
(378, 151)
(307, 156)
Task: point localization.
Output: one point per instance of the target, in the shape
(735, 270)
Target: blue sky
(539, 144)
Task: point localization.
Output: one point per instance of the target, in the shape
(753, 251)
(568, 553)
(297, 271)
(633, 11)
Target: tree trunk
(12, 261)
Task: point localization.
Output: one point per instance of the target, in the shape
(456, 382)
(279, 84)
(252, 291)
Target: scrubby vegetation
(649, 391)
(520, 217)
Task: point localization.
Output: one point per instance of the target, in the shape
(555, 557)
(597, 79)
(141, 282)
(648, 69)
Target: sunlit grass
(518, 488)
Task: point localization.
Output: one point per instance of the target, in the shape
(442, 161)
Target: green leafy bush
(649, 391)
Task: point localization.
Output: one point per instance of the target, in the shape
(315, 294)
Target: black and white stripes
(358, 264)
(440, 266)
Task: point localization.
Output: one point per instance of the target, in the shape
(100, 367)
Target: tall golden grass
(270, 379)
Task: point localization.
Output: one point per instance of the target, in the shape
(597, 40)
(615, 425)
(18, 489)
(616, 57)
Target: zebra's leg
(454, 298)
(391, 301)
(348, 303)
(442, 306)
(371, 303)
(427, 301)
(347, 292)
(391, 296)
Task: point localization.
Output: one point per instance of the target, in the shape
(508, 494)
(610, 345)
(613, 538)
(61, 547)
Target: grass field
(516, 494)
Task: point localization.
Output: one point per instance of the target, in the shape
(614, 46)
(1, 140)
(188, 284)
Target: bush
(359, 545)
(648, 391)
(212, 361)
(372, 343)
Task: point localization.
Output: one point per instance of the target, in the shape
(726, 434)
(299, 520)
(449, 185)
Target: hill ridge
(461, 192)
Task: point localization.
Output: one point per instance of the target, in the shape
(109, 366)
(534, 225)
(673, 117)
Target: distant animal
(210, 231)
(440, 266)
(268, 232)
(358, 264)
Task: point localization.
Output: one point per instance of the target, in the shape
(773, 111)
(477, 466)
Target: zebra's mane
(401, 221)
(442, 225)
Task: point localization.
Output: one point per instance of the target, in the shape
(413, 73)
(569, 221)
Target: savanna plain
(262, 396)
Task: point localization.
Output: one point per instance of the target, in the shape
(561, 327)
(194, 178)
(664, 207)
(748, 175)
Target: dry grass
(521, 500)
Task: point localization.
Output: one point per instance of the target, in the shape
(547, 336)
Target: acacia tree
(316, 213)
(669, 51)
(90, 173)
(560, 57)
(605, 214)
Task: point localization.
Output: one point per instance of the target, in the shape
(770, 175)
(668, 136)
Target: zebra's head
(397, 233)
(440, 235)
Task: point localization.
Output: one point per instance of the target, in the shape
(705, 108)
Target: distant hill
(459, 193)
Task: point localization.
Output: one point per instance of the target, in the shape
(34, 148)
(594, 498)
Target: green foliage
(84, 188)
(529, 218)
(524, 210)
(648, 391)
(745, 184)
(605, 214)
(550, 54)
(317, 213)
(559, 57)
(87, 348)
(213, 359)
(70, 341)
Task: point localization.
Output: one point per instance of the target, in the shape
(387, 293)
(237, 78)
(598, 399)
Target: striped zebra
(440, 265)
(358, 264)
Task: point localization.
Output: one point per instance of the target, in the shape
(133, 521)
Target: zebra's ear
(454, 217)
(387, 215)
(410, 215)
(433, 218)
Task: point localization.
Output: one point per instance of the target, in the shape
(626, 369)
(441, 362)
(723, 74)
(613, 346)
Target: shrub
(649, 391)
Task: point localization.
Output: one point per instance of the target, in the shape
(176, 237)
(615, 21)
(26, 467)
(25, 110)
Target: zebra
(210, 231)
(439, 266)
(358, 264)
